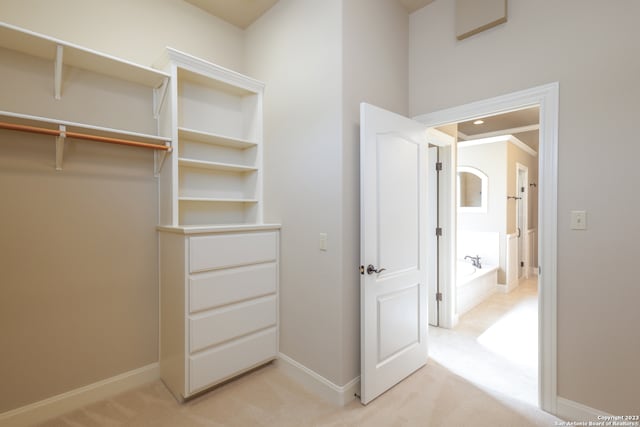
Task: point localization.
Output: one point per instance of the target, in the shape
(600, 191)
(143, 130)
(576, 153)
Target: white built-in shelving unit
(52, 85)
(218, 260)
(215, 117)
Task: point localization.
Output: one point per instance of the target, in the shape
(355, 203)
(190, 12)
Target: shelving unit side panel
(168, 191)
(252, 116)
(173, 300)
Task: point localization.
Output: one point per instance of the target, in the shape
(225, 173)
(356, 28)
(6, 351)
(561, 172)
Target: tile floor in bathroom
(495, 344)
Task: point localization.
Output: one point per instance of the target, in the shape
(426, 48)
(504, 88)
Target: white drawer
(231, 322)
(220, 363)
(222, 287)
(231, 250)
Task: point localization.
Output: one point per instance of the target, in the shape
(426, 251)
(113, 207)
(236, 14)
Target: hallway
(495, 345)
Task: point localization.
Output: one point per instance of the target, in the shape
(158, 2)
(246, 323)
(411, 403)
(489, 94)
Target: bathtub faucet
(475, 260)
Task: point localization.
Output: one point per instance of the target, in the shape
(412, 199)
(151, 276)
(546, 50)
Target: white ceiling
(243, 13)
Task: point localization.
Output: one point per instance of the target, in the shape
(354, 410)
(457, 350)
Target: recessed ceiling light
(478, 122)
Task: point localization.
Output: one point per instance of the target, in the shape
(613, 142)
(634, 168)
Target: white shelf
(217, 171)
(215, 139)
(25, 119)
(215, 165)
(200, 229)
(42, 46)
(216, 200)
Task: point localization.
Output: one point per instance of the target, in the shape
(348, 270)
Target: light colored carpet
(433, 396)
(495, 344)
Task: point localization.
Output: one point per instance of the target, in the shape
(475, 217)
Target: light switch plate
(578, 220)
(323, 241)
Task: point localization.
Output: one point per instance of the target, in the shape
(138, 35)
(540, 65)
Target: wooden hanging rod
(77, 135)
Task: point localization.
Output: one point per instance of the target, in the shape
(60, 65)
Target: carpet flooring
(432, 396)
(495, 344)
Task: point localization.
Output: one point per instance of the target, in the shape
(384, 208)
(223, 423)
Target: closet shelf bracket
(160, 158)
(60, 146)
(57, 74)
(159, 95)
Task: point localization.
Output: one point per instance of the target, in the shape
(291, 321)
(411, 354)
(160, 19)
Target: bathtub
(474, 285)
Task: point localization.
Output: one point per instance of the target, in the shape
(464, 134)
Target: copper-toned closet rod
(55, 132)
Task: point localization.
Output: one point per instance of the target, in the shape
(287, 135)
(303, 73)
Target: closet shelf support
(160, 159)
(159, 95)
(57, 74)
(60, 146)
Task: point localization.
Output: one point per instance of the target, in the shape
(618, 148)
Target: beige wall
(78, 252)
(134, 30)
(375, 68)
(586, 46)
(319, 60)
(295, 48)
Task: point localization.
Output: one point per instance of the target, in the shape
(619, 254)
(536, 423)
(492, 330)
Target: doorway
(546, 97)
(493, 341)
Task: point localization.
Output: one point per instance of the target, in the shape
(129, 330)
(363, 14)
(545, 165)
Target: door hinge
(362, 269)
(438, 166)
(439, 296)
(439, 231)
(521, 263)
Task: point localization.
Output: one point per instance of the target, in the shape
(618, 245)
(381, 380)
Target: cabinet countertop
(200, 229)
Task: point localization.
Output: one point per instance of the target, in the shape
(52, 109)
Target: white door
(393, 285)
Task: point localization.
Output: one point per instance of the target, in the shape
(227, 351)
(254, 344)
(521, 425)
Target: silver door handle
(519, 232)
(371, 269)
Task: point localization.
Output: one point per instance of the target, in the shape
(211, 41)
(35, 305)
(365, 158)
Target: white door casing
(522, 223)
(547, 98)
(393, 301)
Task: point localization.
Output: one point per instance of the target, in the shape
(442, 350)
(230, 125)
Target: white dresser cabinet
(218, 260)
(219, 307)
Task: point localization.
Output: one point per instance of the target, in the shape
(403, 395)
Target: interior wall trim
(547, 98)
(317, 384)
(62, 403)
(569, 410)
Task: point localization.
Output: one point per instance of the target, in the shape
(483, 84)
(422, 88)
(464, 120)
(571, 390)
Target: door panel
(399, 316)
(393, 211)
(398, 245)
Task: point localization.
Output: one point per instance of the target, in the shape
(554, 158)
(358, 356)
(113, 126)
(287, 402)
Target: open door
(393, 215)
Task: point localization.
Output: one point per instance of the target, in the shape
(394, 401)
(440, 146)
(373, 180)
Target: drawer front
(218, 288)
(231, 322)
(220, 363)
(231, 250)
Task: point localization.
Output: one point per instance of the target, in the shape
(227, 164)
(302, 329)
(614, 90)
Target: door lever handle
(371, 269)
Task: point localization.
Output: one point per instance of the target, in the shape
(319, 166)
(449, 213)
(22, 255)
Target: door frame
(523, 245)
(547, 98)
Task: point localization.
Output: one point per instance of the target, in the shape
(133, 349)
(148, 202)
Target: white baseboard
(569, 410)
(58, 405)
(317, 384)
(506, 288)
